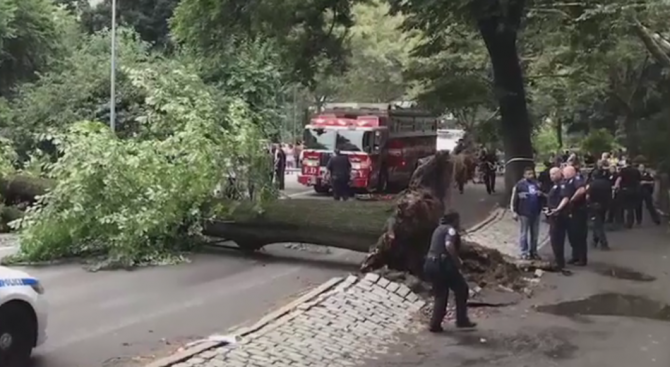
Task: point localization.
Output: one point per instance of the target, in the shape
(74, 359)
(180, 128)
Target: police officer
(628, 187)
(488, 167)
(339, 169)
(558, 219)
(443, 269)
(614, 214)
(575, 193)
(599, 196)
(646, 196)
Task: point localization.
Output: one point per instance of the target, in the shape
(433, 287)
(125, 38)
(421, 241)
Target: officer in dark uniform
(614, 214)
(339, 169)
(558, 219)
(575, 192)
(628, 187)
(488, 167)
(443, 269)
(599, 197)
(646, 196)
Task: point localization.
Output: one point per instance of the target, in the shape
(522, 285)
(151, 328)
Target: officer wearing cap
(443, 269)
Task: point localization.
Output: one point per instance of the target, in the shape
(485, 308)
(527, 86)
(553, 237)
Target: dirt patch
(489, 268)
(610, 304)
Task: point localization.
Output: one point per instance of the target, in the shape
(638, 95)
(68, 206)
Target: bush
(137, 200)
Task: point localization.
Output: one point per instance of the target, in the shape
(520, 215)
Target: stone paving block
(338, 329)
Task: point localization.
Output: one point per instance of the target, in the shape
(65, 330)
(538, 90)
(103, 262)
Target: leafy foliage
(29, 40)
(598, 141)
(135, 200)
(309, 34)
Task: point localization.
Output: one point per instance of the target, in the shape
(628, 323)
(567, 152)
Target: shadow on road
(273, 254)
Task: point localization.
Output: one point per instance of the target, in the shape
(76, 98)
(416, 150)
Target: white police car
(23, 317)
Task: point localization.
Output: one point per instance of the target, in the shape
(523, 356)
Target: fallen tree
(395, 234)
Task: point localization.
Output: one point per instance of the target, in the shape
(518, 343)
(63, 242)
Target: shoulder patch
(452, 232)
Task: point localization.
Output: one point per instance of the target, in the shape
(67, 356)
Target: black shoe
(436, 329)
(573, 261)
(566, 272)
(466, 324)
(580, 263)
(535, 257)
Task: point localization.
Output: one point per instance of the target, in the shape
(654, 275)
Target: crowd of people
(615, 191)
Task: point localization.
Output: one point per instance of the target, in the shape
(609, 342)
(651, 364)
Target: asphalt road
(126, 318)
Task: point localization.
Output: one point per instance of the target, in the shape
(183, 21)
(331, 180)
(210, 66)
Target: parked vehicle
(23, 317)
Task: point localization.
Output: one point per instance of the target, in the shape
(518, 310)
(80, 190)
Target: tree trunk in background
(500, 34)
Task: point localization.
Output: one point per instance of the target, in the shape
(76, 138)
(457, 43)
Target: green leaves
(136, 200)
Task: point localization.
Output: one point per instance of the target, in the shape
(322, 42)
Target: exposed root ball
(486, 266)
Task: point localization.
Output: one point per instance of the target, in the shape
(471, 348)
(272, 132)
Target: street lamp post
(112, 87)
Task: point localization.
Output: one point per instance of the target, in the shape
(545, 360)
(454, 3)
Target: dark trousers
(558, 228)
(578, 234)
(341, 189)
(280, 178)
(490, 181)
(646, 200)
(615, 212)
(445, 276)
(461, 186)
(598, 226)
(630, 199)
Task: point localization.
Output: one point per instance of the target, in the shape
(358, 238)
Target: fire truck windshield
(344, 140)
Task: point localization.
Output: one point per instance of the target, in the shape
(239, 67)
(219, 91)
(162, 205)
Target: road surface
(109, 318)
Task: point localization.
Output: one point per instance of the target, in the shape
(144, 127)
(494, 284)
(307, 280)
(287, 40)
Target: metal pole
(112, 88)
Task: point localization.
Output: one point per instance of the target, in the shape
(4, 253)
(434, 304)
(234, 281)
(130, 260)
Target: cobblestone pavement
(339, 328)
(503, 234)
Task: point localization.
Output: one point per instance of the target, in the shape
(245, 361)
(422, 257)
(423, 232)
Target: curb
(244, 331)
(496, 214)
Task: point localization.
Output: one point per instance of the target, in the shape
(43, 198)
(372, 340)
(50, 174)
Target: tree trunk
(405, 225)
(19, 189)
(498, 26)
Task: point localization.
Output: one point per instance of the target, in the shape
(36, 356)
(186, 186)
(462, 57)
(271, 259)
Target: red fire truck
(384, 143)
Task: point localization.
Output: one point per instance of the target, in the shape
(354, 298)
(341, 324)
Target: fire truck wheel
(321, 189)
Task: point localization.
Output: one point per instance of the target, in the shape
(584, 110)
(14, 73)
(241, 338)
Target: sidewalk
(533, 333)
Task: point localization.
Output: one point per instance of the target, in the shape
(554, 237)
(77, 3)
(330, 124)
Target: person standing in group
(544, 178)
(646, 196)
(443, 269)
(488, 167)
(339, 170)
(279, 166)
(290, 157)
(599, 196)
(615, 213)
(526, 207)
(627, 187)
(575, 192)
(297, 152)
(557, 217)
